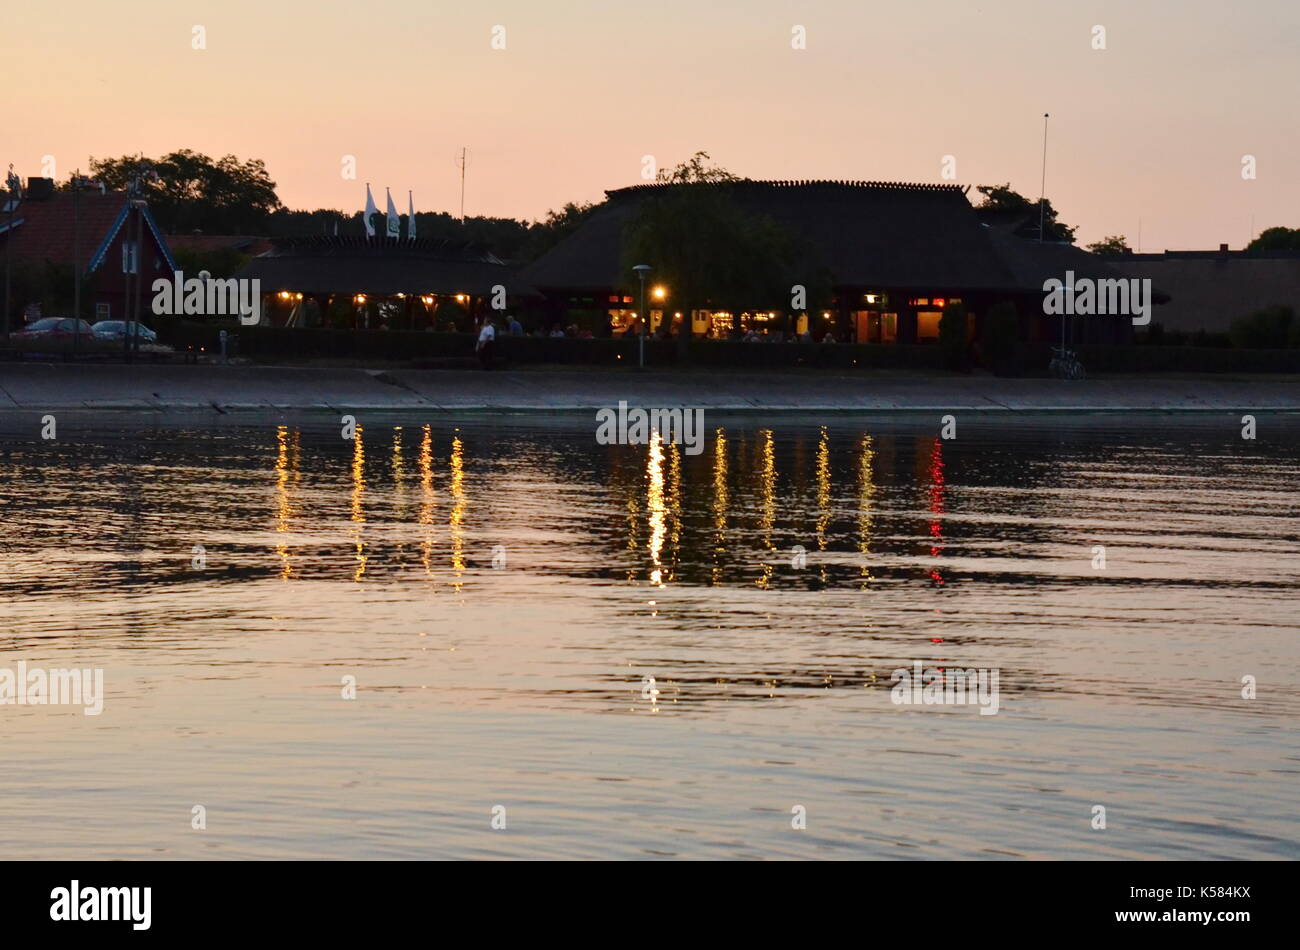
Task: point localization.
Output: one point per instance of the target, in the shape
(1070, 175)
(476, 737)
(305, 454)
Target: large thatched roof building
(896, 254)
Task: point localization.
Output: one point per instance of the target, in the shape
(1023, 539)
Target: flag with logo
(394, 222)
(370, 210)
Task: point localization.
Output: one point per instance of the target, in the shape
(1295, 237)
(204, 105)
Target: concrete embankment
(232, 389)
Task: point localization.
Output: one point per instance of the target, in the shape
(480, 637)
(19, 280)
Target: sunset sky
(1154, 127)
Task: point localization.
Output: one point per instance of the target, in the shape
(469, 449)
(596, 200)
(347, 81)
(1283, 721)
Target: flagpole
(76, 261)
(1042, 194)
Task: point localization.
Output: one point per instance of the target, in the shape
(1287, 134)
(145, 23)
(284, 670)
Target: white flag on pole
(394, 222)
(410, 215)
(370, 209)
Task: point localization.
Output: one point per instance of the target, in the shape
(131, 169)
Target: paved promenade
(233, 389)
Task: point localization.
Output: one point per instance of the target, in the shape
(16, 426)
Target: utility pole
(139, 267)
(76, 261)
(1042, 192)
(130, 285)
(461, 162)
(131, 261)
(135, 205)
(15, 188)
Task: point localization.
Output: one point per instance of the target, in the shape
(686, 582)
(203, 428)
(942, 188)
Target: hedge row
(287, 343)
(274, 343)
(1186, 359)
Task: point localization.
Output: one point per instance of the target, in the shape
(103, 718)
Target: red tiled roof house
(57, 227)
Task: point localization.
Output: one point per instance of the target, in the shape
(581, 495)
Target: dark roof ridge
(376, 246)
(754, 183)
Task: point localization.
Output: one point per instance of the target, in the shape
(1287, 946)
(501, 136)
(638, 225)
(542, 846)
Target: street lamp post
(1069, 290)
(642, 271)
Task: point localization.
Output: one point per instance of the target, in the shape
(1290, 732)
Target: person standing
(487, 341)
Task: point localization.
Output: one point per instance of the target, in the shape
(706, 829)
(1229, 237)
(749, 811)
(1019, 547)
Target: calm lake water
(502, 587)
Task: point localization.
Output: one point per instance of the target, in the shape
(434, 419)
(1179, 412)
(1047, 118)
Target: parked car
(54, 328)
(116, 329)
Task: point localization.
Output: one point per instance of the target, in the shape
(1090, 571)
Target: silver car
(116, 329)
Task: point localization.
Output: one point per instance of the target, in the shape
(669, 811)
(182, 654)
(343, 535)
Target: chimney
(40, 189)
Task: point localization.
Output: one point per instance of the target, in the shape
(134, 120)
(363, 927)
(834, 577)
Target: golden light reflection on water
(459, 502)
(767, 504)
(630, 486)
(719, 503)
(866, 504)
(399, 475)
(287, 469)
(655, 492)
(358, 495)
(426, 500)
(655, 505)
(674, 502)
(823, 494)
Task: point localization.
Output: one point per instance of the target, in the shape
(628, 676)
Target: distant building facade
(1209, 289)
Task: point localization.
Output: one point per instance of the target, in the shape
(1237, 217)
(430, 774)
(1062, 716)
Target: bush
(221, 262)
(48, 284)
(1004, 350)
(84, 345)
(1157, 335)
(1272, 328)
(848, 356)
(1206, 338)
(952, 337)
(1186, 359)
